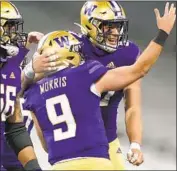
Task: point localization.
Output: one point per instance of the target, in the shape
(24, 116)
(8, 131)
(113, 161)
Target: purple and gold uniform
(10, 84)
(123, 56)
(69, 116)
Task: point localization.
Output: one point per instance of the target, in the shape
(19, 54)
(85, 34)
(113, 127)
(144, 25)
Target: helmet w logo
(63, 41)
(89, 9)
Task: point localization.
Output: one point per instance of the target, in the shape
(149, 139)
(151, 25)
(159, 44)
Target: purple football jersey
(10, 84)
(68, 112)
(123, 56)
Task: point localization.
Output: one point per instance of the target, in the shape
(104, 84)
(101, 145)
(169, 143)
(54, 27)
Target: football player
(104, 27)
(65, 103)
(14, 44)
(105, 30)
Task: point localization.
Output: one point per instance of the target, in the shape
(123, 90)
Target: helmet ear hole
(50, 43)
(70, 57)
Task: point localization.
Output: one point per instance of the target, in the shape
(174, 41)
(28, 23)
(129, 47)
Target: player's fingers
(174, 18)
(51, 64)
(157, 13)
(140, 160)
(173, 11)
(52, 58)
(39, 36)
(129, 155)
(171, 8)
(166, 8)
(51, 69)
(49, 52)
(39, 58)
(134, 157)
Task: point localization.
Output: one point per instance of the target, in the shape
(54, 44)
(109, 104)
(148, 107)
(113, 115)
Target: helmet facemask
(12, 32)
(110, 33)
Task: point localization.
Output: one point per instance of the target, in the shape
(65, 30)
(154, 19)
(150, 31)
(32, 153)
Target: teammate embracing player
(105, 36)
(105, 29)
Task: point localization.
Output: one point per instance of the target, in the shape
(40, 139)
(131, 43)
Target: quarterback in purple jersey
(65, 103)
(105, 36)
(104, 27)
(14, 47)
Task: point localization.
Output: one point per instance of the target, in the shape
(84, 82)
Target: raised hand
(166, 22)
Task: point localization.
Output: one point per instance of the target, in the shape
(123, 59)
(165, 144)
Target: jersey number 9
(66, 117)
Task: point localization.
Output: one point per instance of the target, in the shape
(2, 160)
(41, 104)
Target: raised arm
(121, 77)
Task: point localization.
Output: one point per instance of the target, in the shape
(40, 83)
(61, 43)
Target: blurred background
(158, 88)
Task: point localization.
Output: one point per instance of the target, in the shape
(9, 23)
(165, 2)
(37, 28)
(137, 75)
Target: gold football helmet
(11, 28)
(99, 19)
(67, 45)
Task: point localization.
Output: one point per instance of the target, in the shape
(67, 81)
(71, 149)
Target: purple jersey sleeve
(96, 70)
(21, 55)
(27, 105)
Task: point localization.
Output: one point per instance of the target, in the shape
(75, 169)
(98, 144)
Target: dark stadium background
(158, 88)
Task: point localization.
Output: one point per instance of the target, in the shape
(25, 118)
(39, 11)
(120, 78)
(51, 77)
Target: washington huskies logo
(63, 41)
(89, 9)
